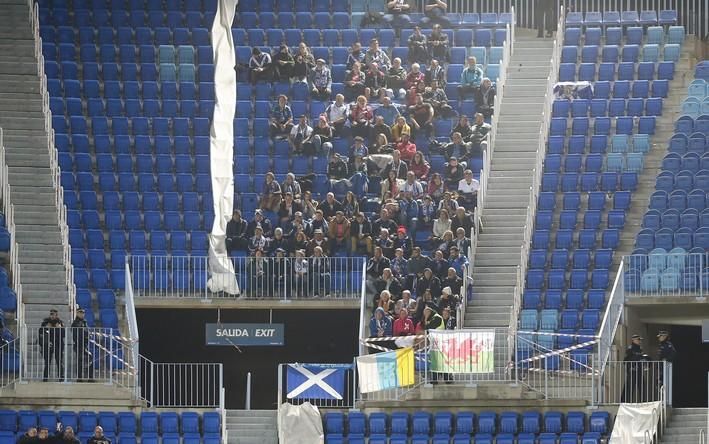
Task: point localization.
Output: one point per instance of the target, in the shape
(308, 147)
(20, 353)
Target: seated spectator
(300, 271)
(385, 242)
(436, 187)
(98, 437)
(361, 117)
(415, 81)
(448, 203)
(396, 79)
(396, 15)
(403, 242)
(300, 242)
(319, 271)
(337, 114)
(259, 66)
(417, 264)
(320, 140)
(375, 79)
(288, 208)
(337, 167)
(449, 322)
(375, 54)
(428, 281)
(299, 134)
(317, 223)
(259, 221)
(440, 226)
(236, 233)
(457, 260)
(463, 128)
(404, 326)
(391, 186)
(29, 437)
(381, 146)
(420, 167)
(356, 55)
(281, 118)
(399, 128)
(330, 206)
(485, 98)
(435, 12)
(418, 51)
(379, 127)
(438, 44)
(383, 300)
(384, 221)
(427, 212)
(463, 220)
(375, 268)
(478, 133)
(380, 325)
(350, 206)
(258, 242)
(448, 300)
(470, 79)
(309, 205)
(440, 265)
(339, 232)
(456, 148)
(445, 243)
(390, 284)
(468, 188)
(412, 186)
(460, 240)
(421, 302)
(279, 242)
(435, 73)
(292, 227)
(304, 63)
(283, 64)
(318, 241)
(452, 281)
(397, 165)
(321, 81)
(271, 195)
(388, 113)
(436, 97)
(290, 185)
(358, 148)
(399, 264)
(355, 82)
(431, 319)
(361, 234)
(422, 114)
(453, 173)
(406, 148)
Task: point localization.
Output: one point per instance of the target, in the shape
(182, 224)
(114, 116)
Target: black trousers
(84, 364)
(56, 352)
(545, 16)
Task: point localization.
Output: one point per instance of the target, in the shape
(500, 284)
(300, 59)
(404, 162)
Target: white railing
(9, 211)
(634, 381)
(10, 362)
(611, 318)
(363, 314)
(261, 278)
(53, 160)
(654, 275)
(462, 306)
(181, 384)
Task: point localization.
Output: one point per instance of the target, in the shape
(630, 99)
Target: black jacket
(80, 333)
(366, 227)
(265, 226)
(235, 230)
(376, 268)
(94, 440)
(52, 332)
(666, 352)
(401, 169)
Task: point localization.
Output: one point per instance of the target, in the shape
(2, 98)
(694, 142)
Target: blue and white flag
(316, 381)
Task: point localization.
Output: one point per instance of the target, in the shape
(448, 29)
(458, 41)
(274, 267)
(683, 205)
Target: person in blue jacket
(380, 324)
(470, 79)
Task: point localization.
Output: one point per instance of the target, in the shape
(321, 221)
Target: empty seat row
(131, 90)
(603, 125)
(165, 182)
(634, 35)
(579, 259)
(614, 54)
(603, 107)
(598, 144)
(591, 219)
(576, 163)
(589, 181)
(552, 320)
(680, 199)
(615, 18)
(673, 219)
(668, 239)
(134, 201)
(695, 107)
(598, 279)
(151, 220)
(132, 107)
(596, 200)
(128, 72)
(590, 71)
(668, 281)
(573, 299)
(135, 18)
(585, 239)
(137, 240)
(660, 259)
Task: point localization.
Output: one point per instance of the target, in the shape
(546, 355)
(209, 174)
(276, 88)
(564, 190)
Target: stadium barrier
(9, 362)
(611, 318)
(285, 278)
(181, 384)
(666, 274)
(9, 211)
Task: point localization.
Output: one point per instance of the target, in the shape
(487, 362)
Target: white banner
(462, 351)
(300, 424)
(633, 421)
(221, 147)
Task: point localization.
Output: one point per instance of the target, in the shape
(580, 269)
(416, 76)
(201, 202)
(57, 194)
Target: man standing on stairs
(545, 16)
(84, 361)
(51, 339)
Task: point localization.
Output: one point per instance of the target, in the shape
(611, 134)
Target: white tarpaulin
(299, 424)
(633, 421)
(221, 147)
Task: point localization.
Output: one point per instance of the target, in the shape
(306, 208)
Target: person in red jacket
(403, 326)
(406, 148)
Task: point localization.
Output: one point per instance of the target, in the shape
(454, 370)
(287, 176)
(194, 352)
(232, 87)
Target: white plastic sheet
(300, 424)
(634, 422)
(221, 149)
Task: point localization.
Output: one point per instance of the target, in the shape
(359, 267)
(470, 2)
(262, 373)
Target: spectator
(318, 241)
(330, 206)
(436, 187)
(358, 148)
(463, 128)
(385, 242)
(435, 73)
(304, 63)
(452, 281)
(406, 148)
(453, 173)
(440, 226)
(381, 146)
(259, 66)
(376, 265)
(402, 241)
(485, 98)
(283, 64)
(440, 265)
(470, 79)
(478, 133)
(415, 81)
(399, 128)
(396, 79)
(356, 55)
(407, 302)
(380, 324)
(29, 437)
(300, 242)
(355, 82)
(350, 206)
(383, 301)
(43, 436)
(390, 284)
(396, 15)
(413, 186)
(375, 54)
(435, 12)
(258, 272)
(429, 282)
(448, 300)
(309, 205)
(457, 260)
(281, 118)
(321, 81)
(319, 142)
(422, 302)
(460, 240)
(271, 195)
(337, 167)
(436, 97)
(418, 51)
(422, 114)
(299, 134)
(438, 44)
(319, 271)
(404, 326)
(468, 188)
(361, 234)
(462, 220)
(384, 221)
(445, 243)
(51, 340)
(380, 126)
(545, 17)
(236, 233)
(456, 148)
(300, 271)
(279, 242)
(399, 265)
(258, 241)
(448, 203)
(292, 227)
(419, 167)
(427, 212)
(361, 117)
(449, 322)
(337, 114)
(317, 223)
(281, 273)
(375, 79)
(290, 185)
(99, 437)
(391, 185)
(258, 221)
(288, 208)
(388, 112)
(431, 320)
(397, 165)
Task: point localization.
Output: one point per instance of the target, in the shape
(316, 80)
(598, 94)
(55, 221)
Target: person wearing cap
(99, 437)
(470, 79)
(634, 358)
(236, 233)
(339, 232)
(319, 240)
(259, 66)
(361, 234)
(299, 134)
(354, 82)
(666, 350)
(321, 81)
(330, 206)
(402, 241)
(51, 339)
(283, 64)
(83, 357)
(281, 118)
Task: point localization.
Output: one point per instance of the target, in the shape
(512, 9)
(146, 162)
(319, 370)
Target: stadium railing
(611, 318)
(665, 274)
(9, 211)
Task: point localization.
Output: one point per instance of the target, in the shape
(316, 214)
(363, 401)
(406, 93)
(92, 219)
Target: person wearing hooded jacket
(380, 324)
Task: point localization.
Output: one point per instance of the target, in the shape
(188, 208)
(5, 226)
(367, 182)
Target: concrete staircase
(684, 425)
(252, 426)
(498, 251)
(32, 192)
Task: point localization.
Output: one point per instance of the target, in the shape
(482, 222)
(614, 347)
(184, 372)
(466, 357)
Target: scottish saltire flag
(387, 370)
(316, 381)
(461, 351)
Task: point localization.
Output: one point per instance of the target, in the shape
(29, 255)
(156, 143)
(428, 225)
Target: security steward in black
(666, 350)
(81, 334)
(51, 339)
(635, 369)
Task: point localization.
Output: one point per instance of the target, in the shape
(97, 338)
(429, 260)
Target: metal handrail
(702, 436)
